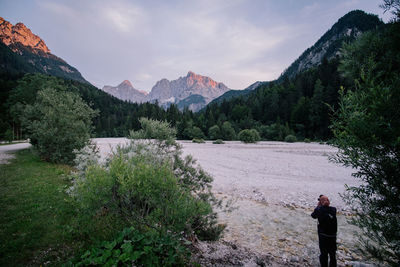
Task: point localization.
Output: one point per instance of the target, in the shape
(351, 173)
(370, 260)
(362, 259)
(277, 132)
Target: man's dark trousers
(327, 246)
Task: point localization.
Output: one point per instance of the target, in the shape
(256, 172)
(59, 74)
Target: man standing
(327, 229)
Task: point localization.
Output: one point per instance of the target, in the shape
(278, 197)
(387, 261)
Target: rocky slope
(346, 29)
(126, 91)
(31, 52)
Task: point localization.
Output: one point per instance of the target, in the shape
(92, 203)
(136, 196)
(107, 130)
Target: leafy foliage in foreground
(367, 131)
(133, 247)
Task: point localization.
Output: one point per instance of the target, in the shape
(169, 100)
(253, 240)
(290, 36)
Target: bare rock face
(126, 91)
(33, 51)
(12, 35)
(168, 92)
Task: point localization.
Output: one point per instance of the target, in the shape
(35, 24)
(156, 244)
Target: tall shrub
(57, 123)
(249, 136)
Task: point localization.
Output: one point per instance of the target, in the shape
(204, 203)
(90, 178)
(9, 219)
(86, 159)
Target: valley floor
(274, 187)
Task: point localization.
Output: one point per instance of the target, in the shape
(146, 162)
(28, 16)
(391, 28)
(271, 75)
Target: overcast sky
(236, 42)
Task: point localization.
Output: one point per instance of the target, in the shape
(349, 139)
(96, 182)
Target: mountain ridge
(193, 91)
(30, 48)
(346, 29)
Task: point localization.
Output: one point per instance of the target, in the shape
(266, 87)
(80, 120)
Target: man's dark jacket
(327, 222)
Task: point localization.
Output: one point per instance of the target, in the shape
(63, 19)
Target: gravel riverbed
(274, 186)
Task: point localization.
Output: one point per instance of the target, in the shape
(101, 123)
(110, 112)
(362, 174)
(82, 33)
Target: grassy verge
(35, 214)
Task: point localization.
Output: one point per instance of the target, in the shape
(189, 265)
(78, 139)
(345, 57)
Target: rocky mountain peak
(19, 34)
(193, 90)
(194, 79)
(126, 91)
(191, 74)
(126, 83)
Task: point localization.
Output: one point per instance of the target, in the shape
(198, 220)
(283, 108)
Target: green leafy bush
(227, 131)
(290, 138)
(137, 248)
(200, 141)
(197, 133)
(306, 140)
(249, 136)
(218, 142)
(275, 131)
(147, 184)
(58, 123)
(214, 132)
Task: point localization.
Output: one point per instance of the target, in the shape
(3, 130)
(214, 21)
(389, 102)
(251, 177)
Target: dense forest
(297, 106)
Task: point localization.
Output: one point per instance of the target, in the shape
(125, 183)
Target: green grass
(35, 215)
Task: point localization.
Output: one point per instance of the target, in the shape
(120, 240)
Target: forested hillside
(297, 106)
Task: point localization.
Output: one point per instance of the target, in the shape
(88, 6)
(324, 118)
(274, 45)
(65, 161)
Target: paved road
(7, 151)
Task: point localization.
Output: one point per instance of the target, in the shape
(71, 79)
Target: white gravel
(273, 172)
(275, 186)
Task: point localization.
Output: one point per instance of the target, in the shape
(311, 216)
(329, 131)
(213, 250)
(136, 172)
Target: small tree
(227, 131)
(367, 132)
(57, 123)
(249, 136)
(290, 138)
(214, 132)
(197, 133)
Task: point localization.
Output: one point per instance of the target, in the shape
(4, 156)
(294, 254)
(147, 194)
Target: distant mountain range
(193, 91)
(23, 51)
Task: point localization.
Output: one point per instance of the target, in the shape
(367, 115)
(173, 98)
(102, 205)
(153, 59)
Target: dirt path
(7, 151)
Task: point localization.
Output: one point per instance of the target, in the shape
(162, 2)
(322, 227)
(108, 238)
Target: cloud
(207, 40)
(124, 18)
(59, 9)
